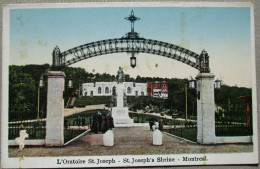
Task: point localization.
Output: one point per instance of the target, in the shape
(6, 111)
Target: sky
(224, 32)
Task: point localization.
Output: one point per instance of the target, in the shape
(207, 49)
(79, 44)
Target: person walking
(160, 125)
(151, 123)
(110, 122)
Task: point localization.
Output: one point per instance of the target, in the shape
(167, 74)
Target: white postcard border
(50, 162)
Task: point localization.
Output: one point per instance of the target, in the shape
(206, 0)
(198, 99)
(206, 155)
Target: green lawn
(88, 100)
(191, 133)
(77, 119)
(40, 133)
(144, 118)
(89, 113)
(34, 133)
(70, 134)
(28, 124)
(233, 131)
(187, 133)
(80, 119)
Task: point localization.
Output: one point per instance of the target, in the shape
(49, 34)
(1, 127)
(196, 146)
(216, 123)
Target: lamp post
(79, 88)
(217, 84)
(69, 93)
(70, 88)
(191, 85)
(133, 60)
(186, 105)
(41, 84)
(70, 84)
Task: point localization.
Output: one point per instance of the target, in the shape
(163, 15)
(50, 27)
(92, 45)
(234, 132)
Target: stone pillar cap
(205, 75)
(56, 73)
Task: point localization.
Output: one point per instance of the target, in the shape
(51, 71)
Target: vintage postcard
(117, 84)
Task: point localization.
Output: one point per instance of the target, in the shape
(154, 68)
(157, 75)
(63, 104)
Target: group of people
(101, 123)
(152, 123)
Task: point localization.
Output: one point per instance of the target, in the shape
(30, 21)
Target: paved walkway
(159, 115)
(128, 140)
(75, 110)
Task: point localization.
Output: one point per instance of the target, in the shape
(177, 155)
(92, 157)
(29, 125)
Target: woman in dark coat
(151, 123)
(110, 122)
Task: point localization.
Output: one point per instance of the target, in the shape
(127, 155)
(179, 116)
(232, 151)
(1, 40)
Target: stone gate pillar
(205, 109)
(55, 108)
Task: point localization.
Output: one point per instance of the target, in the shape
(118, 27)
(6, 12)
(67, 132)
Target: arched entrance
(132, 43)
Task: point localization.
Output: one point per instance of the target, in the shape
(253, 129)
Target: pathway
(128, 140)
(75, 110)
(159, 115)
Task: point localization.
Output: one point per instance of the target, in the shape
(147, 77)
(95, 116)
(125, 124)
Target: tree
(23, 85)
(22, 91)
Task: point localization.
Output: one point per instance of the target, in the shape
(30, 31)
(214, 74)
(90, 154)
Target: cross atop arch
(132, 18)
(134, 44)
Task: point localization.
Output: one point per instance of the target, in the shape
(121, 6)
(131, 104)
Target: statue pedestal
(120, 91)
(120, 115)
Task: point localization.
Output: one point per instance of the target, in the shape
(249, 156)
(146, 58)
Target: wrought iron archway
(131, 43)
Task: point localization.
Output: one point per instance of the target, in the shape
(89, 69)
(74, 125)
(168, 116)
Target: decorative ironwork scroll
(109, 46)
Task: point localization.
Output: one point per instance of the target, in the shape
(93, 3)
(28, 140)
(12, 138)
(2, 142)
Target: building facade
(157, 89)
(106, 89)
